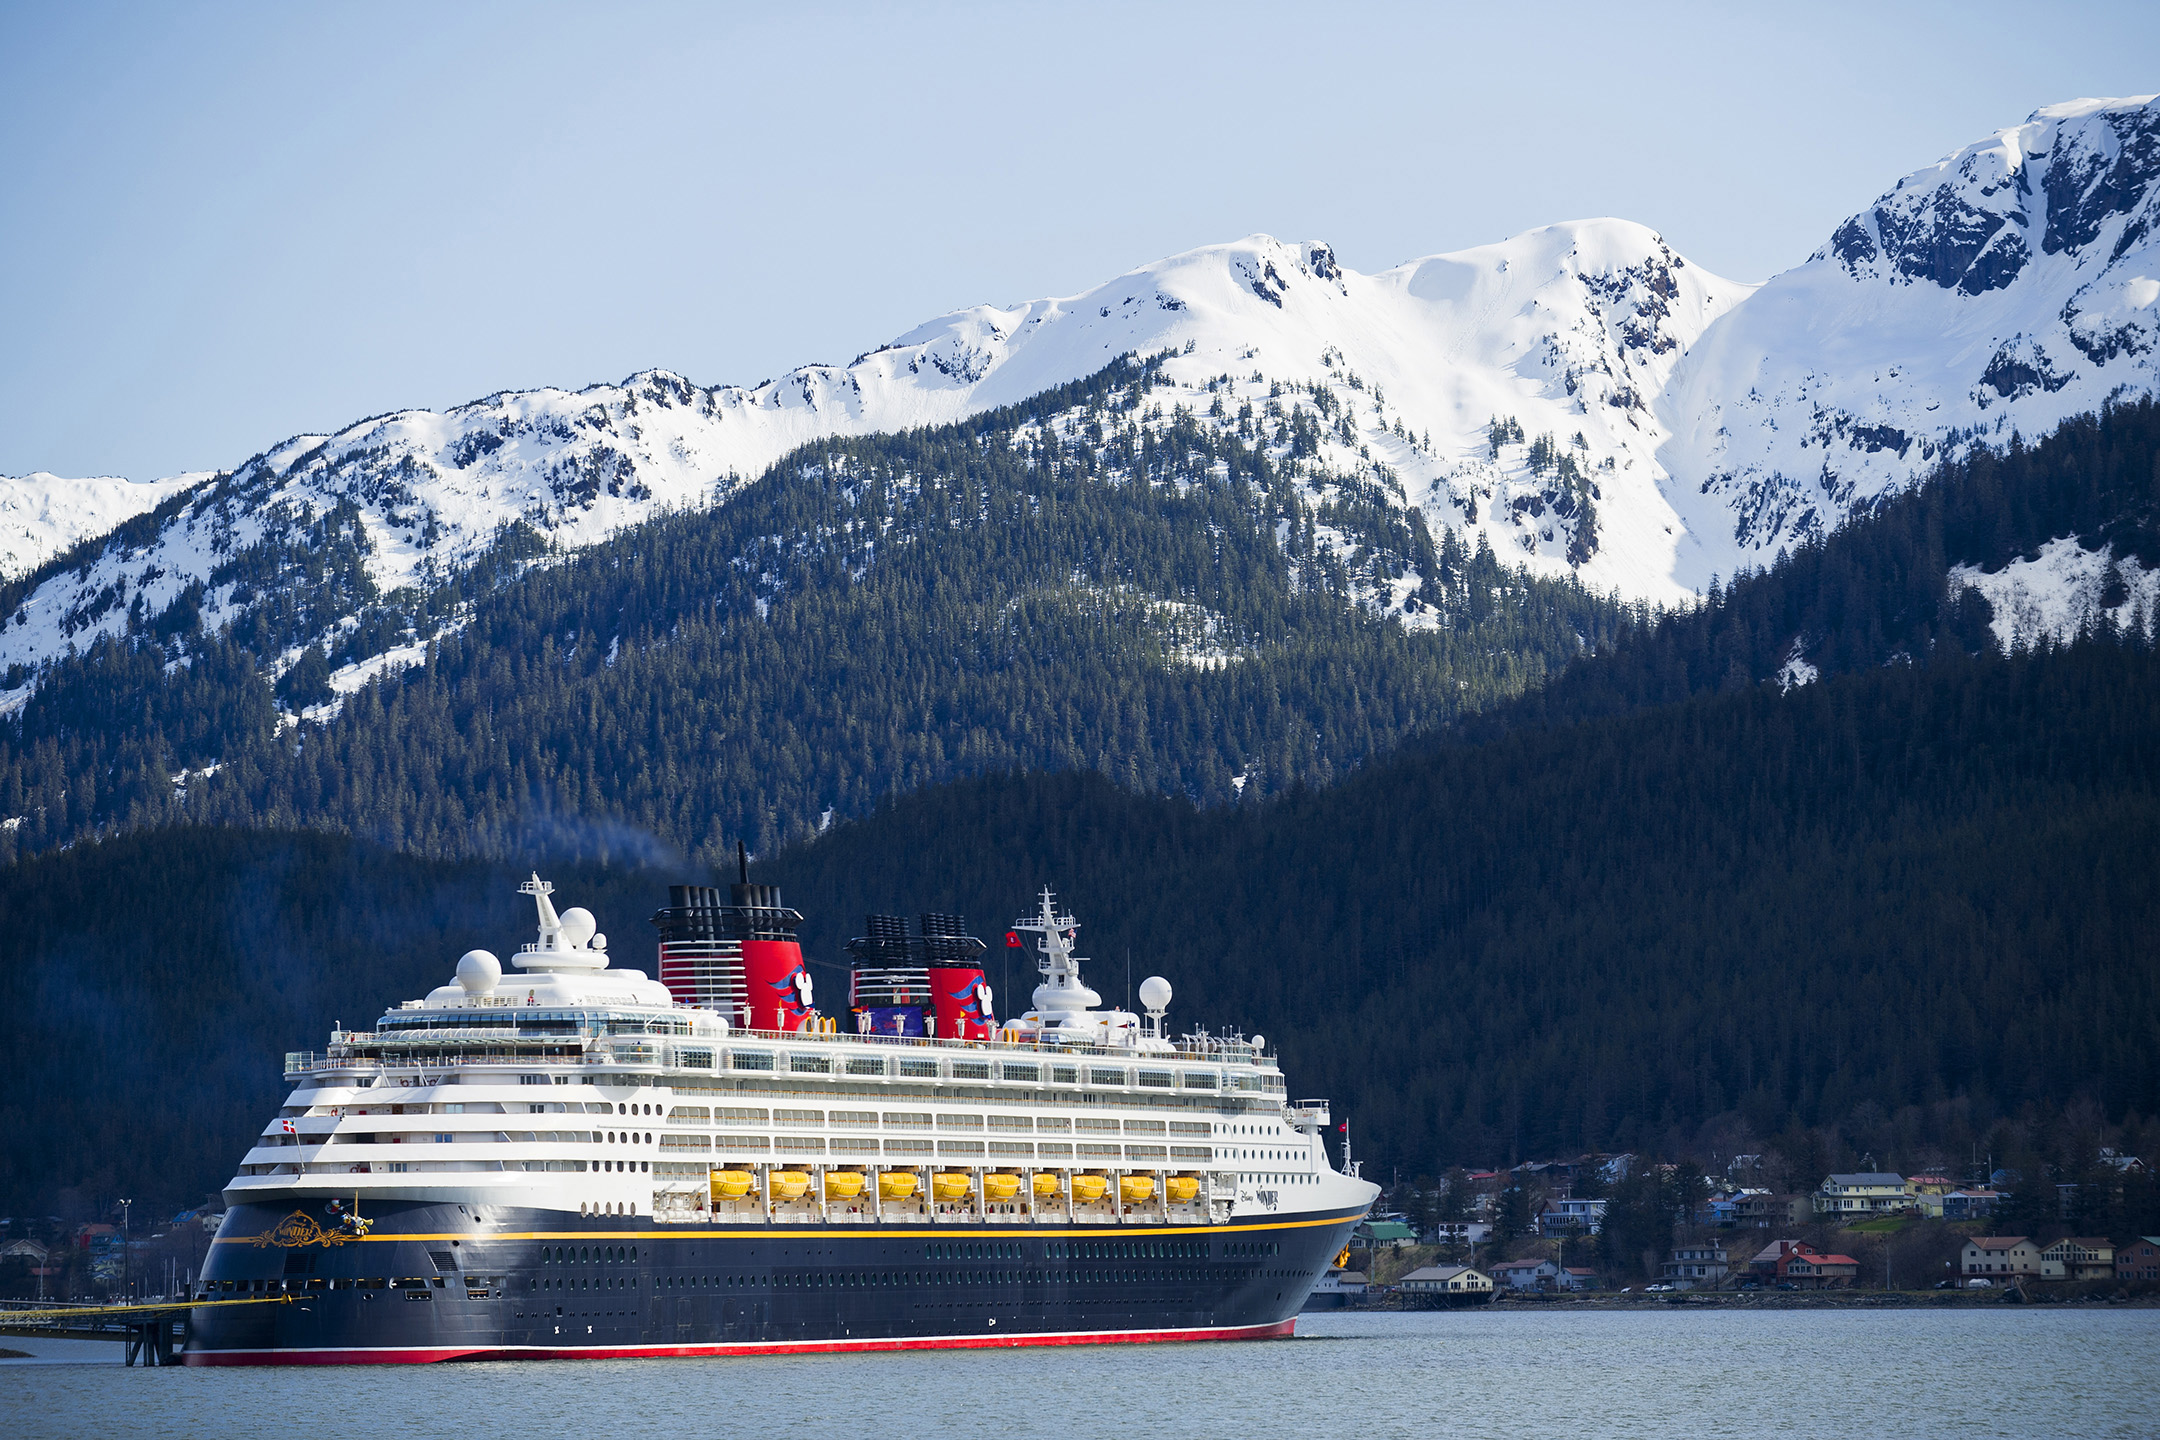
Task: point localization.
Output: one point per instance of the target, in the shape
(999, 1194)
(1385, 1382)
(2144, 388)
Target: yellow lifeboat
(1088, 1187)
(1182, 1189)
(1132, 1189)
(1046, 1186)
(1000, 1187)
(950, 1185)
(731, 1184)
(843, 1184)
(895, 1185)
(789, 1184)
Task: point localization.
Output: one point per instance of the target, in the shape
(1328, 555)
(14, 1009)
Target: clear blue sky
(222, 226)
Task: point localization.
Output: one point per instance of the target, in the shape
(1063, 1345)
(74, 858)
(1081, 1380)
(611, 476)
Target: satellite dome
(578, 926)
(478, 972)
(1155, 993)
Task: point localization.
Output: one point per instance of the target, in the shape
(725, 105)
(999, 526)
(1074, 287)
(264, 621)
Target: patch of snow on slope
(2062, 590)
(41, 514)
(1796, 670)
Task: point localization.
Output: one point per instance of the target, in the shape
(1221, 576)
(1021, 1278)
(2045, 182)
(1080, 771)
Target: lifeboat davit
(843, 1184)
(789, 1184)
(1182, 1188)
(896, 1185)
(1132, 1189)
(731, 1184)
(1000, 1187)
(1046, 1186)
(1086, 1188)
(950, 1185)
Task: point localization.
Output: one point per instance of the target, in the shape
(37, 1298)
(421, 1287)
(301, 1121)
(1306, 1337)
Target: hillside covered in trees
(1087, 580)
(1904, 904)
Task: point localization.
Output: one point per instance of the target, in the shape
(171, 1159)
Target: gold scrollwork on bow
(296, 1230)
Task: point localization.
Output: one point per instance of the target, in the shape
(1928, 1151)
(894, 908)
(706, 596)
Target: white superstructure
(579, 1087)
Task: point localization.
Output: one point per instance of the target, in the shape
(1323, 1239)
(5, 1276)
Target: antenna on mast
(742, 863)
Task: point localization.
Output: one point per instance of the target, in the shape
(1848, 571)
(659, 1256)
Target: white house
(1446, 1280)
(1580, 1217)
(2000, 1257)
(1871, 1192)
(1703, 1264)
(1527, 1275)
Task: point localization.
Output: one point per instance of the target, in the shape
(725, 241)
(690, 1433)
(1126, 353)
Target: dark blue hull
(440, 1282)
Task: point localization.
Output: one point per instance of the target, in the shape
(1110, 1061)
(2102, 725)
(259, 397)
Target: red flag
(1344, 1127)
(1012, 938)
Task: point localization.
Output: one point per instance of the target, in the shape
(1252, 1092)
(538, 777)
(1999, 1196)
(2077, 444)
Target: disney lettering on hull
(590, 1162)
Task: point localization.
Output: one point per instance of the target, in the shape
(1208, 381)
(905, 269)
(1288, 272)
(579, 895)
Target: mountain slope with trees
(1902, 909)
(1182, 601)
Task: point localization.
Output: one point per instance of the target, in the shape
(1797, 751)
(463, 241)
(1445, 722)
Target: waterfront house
(1699, 1265)
(1527, 1274)
(1856, 1196)
(1974, 1204)
(1577, 1277)
(1999, 1257)
(1812, 1269)
(1446, 1280)
(2078, 1257)
(1797, 1263)
(2139, 1260)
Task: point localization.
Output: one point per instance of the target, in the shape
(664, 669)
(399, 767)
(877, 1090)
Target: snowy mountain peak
(2004, 288)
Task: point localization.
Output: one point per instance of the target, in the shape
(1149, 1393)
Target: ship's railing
(500, 1049)
(1230, 1051)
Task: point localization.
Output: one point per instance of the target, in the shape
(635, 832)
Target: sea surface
(1843, 1374)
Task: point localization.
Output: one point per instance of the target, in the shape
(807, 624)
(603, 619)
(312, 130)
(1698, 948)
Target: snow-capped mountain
(1565, 334)
(1580, 396)
(2000, 290)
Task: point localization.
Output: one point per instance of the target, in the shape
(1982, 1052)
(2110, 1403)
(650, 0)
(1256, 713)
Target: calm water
(1895, 1373)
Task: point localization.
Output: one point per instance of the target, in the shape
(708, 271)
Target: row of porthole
(1128, 1250)
(984, 1251)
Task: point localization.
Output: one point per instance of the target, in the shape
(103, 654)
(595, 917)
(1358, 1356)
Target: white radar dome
(599, 942)
(578, 926)
(478, 972)
(1259, 1043)
(1155, 993)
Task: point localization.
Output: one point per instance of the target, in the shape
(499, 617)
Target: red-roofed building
(1795, 1262)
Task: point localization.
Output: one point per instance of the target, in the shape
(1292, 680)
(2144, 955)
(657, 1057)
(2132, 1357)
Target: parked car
(1979, 1284)
(1655, 1289)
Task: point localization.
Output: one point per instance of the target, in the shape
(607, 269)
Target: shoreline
(1780, 1300)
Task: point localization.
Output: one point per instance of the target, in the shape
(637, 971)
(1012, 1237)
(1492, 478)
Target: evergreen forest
(1541, 874)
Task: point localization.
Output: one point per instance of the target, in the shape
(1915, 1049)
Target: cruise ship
(568, 1159)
